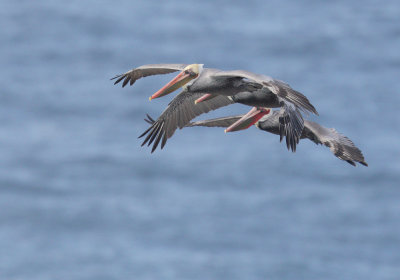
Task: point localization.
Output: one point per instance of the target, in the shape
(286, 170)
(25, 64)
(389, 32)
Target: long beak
(248, 120)
(180, 80)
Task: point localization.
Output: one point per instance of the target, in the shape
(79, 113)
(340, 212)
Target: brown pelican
(341, 146)
(206, 89)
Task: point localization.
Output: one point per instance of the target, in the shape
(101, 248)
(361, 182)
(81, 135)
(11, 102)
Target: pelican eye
(191, 73)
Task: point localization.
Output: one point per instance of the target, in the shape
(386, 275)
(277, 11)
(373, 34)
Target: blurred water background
(80, 199)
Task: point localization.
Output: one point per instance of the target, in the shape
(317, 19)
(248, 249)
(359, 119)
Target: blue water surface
(80, 199)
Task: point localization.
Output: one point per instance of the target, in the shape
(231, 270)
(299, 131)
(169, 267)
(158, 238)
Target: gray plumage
(340, 145)
(180, 111)
(147, 70)
(242, 86)
(281, 89)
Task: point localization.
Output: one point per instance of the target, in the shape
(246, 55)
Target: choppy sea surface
(80, 199)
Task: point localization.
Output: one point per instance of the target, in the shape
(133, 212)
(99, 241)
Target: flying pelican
(267, 120)
(206, 89)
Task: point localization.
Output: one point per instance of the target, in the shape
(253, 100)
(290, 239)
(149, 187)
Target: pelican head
(188, 74)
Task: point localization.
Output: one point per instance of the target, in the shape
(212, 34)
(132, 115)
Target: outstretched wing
(341, 146)
(218, 122)
(147, 70)
(180, 111)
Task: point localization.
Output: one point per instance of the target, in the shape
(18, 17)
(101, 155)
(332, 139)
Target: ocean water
(80, 199)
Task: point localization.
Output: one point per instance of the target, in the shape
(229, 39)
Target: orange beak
(248, 120)
(180, 80)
